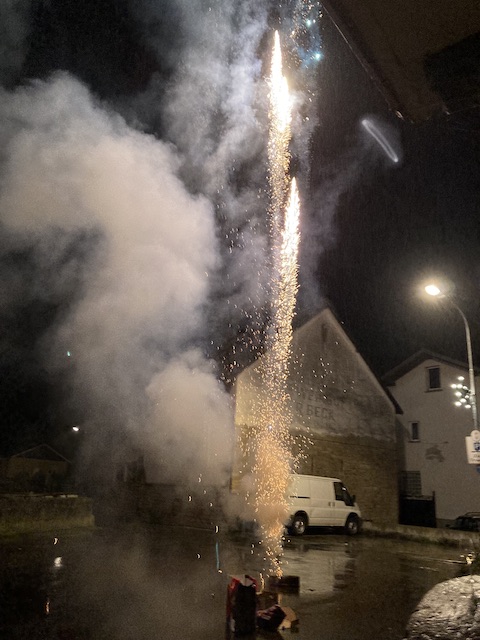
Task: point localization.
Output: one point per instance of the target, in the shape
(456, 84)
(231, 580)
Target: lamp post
(433, 290)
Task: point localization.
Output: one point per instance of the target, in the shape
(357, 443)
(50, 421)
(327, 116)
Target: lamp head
(433, 290)
(438, 288)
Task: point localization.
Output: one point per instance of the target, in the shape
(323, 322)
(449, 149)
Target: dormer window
(433, 379)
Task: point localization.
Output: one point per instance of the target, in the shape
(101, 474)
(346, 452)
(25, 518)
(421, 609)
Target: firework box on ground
(241, 605)
(291, 619)
(270, 619)
(277, 617)
(249, 609)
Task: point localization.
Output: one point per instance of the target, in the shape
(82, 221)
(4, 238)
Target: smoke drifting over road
(140, 245)
(133, 201)
(73, 170)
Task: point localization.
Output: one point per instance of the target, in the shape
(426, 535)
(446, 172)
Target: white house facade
(433, 431)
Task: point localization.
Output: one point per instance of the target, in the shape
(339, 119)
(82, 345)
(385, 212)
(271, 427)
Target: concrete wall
(31, 513)
(342, 418)
(440, 453)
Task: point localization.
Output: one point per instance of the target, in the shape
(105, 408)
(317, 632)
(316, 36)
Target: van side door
(322, 502)
(299, 495)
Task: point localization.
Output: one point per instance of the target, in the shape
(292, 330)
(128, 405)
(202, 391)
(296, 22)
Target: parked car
(469, 521)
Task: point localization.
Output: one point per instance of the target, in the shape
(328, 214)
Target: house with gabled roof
(432, 430)
(341, 413)
(40, 467)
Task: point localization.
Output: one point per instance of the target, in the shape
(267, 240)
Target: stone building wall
(368, 470)
(342, 418)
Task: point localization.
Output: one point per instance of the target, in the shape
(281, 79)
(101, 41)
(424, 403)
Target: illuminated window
(414, 432)
(433, 379)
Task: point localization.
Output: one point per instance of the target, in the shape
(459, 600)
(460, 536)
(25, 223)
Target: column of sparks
(273, 456)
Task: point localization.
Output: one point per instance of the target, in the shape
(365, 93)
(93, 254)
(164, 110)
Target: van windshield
(341, 493)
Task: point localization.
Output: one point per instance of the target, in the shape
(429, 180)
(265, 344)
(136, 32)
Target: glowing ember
(273, 457)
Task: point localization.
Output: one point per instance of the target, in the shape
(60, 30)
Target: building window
(414, 432)
(433, 379)
(411, 483)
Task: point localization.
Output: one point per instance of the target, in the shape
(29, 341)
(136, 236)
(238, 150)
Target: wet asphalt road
(145, 585)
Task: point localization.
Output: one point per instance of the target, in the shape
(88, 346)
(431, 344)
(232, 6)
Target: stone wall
(367, 467)
(341, 418)
(26, 513)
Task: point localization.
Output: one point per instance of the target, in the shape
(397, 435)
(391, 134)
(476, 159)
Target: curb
(447, 537)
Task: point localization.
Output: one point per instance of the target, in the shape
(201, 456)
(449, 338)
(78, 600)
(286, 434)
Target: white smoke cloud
(215, 112)
(149, 270)
(71, 167)
(185, 392)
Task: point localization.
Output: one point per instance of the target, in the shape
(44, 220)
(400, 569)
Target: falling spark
(273, 458)
(380, 138)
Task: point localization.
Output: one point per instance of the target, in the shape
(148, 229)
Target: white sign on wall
(472, 443)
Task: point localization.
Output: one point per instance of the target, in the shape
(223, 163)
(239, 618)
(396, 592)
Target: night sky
(398, 226)
(372, 230)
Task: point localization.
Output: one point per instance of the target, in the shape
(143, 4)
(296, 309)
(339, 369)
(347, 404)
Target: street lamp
(433, 290)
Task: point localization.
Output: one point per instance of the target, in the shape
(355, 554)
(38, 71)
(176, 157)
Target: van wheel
(299, 524)
(352, 526)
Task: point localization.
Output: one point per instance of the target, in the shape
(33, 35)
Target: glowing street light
(433, 290)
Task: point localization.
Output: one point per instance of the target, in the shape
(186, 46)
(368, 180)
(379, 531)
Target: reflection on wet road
(364, 588)
(144, 585)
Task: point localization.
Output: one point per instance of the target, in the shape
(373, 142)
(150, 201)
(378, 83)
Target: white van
(321, 502)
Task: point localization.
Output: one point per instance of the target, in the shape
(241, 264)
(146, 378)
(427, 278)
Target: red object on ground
(242, 605)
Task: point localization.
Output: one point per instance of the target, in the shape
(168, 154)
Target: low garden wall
(29, 513)
(450, 537)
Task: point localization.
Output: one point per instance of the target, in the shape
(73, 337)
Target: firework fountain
(273, 450)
